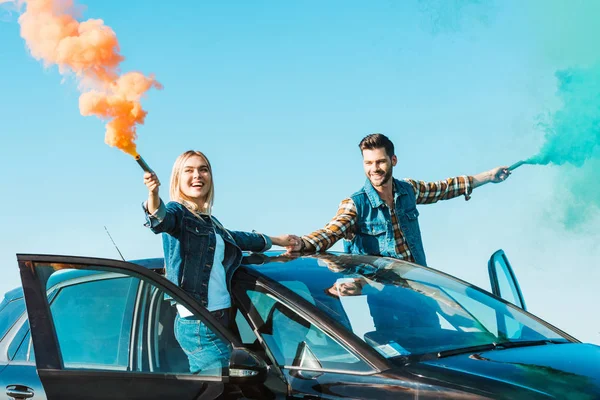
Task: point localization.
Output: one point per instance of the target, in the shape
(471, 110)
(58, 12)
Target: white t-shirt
(218, 295)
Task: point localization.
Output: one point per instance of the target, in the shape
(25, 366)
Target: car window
(9, 315)
(22, 348)
(403, 317)
(170, 339)
(245, 330)
(93, 324)
(25, 350)
(18, 340)
(401, 309)
(160, 348)
(286, 334)
(507, 290)
(107, 320)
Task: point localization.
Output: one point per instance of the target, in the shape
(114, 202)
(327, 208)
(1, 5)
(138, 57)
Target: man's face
(349, 288)
(378, 166)
(346, 287)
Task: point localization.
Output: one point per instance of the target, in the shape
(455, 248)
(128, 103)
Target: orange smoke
(90, 50)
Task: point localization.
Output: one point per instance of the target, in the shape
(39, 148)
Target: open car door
(104, 329)
(503, 280)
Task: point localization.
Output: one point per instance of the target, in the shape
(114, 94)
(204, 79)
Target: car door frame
(48, 359)
(500, 256)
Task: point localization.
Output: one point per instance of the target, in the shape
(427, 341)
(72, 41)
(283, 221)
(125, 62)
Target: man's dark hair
(328, 293)
(377, 141)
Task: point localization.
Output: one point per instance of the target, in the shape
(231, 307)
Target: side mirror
(246, 368)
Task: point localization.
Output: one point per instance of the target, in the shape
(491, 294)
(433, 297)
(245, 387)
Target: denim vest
(374, 231)
(189, 247)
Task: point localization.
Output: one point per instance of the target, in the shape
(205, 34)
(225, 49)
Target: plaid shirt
(343, 225)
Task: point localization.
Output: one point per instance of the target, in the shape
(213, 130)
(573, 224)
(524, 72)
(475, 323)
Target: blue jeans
(206, 353)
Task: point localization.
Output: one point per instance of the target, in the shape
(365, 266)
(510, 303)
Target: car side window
(9, 313)
(93, 322)
(161, 350)
(25, 350)
(290, 337)
(19, 341)
(245, 330)
(114, 319)
(117, 320)
(170, 339)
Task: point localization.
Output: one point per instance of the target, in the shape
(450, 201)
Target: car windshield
(402, 309)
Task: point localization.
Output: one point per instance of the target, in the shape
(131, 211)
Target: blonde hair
(175, 189)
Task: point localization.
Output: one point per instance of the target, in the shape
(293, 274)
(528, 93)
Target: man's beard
(386, 179)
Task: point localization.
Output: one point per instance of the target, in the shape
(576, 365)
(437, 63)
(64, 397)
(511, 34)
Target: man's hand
(294, 246)
(287, 241)
(499, 174)
(495, 175)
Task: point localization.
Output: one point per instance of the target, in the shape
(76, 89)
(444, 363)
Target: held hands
(151, 181)
(290, 242)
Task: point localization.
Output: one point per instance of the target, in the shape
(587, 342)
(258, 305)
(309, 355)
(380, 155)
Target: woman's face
(195, 180)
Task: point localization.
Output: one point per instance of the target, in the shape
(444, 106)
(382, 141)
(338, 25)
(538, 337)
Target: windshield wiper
(494, 346)
(525, 343)
(468, 349)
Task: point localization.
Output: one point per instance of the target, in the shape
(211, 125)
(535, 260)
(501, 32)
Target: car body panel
(570, 370)
(388, 385)
(25, 375)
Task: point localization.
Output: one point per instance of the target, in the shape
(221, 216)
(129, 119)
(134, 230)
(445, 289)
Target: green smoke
(564, 37)
(578, 197)
(573, 131)
(451, 16)
(568, 34)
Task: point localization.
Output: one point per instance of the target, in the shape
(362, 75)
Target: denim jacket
(375, 233)
(189, 246)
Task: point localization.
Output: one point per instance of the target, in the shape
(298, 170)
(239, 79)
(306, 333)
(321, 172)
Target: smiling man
(382, 217)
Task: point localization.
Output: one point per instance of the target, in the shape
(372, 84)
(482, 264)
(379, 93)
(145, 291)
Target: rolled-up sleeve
(268, 243)
(154, 219)
(341, 226)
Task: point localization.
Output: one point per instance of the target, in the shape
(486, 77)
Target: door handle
(19, 392)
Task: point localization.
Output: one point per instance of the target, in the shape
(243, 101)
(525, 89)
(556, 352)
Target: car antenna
(113, 242)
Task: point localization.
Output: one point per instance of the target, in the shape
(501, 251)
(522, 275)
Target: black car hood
(564, 371)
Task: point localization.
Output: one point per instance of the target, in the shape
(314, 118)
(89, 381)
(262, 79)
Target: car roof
(11, 295)
(150, 263)
(276, 265)
(280, 266)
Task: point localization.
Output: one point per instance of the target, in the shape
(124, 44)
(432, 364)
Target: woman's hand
(151, 181)
(290, 242)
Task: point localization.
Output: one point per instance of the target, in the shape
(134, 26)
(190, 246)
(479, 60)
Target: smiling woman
(200, 254)
(191, 182)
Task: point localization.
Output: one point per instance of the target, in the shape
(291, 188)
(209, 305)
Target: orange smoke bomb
(143, 164)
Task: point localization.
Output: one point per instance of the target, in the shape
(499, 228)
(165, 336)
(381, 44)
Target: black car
(328, 326)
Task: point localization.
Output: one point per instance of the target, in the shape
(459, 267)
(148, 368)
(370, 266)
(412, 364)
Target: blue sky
(278, 95)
